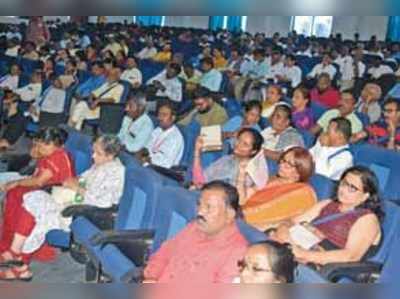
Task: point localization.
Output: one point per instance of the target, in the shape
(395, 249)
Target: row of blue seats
(151, 205)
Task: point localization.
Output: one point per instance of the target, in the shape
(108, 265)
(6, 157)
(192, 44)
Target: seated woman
(250, 120)
(302, 115)
(230, 168)
(286, 195)
(272, 99)
(53, 168)
(348, 225)
(267, 262)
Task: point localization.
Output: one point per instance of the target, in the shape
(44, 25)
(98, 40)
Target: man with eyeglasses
(386, 132)
(209, 248)
(331, 153)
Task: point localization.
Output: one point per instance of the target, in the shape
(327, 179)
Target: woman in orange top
(286, 195)
(220, 61)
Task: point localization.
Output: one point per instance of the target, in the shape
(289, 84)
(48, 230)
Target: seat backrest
(317, 109)
(323, 186)
(308, 138)
(385, 165)
(390, 270)
(80, 147)
(190, 133)
(251, 234)
(176, 208)
(139, 199)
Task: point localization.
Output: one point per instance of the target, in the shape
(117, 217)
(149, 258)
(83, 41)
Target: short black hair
(202, 92)
(258, 139)
(252, 104)
(343, 126)
(393, 101)
(232, 195)
(54, 135)
(167, 104)
(207, 60)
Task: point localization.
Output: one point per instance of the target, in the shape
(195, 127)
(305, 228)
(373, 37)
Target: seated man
(164, 55)
(209, 248)
(10, 81)
(324, 93)
(345, 109)
(386, 132)
(325, 66)
(211, 78)
(281, 135)
(132, 74)
(165, 148)
(110, 92)
(369, 102)
(136, 126)
(378, 69)
(331, 153)
(206, 112)
(167, 85)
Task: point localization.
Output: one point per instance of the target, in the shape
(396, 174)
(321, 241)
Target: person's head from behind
(274, 94)
(301, 98)
(339, 131)
(267, 262)
(15, 70)
(173, 70)
(105, 149)
(371, 93)
(248, 143)
(217, 208)
(324, 82)
(166, 115)
(359, 188)
(296, 165)
(391, 111)
(347, 103)
(49, 139)
(207, 64)
(135, 105)
(203, 100)
(252, 113)
(281, 118)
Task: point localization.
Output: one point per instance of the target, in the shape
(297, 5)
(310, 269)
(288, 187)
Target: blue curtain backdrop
(394, 28)
(235, 23)
(216, 22)
(149, 20)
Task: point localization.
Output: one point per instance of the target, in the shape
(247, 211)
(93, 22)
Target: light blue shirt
(136, 134)
(394, 92)
(259, 70)
(211, 80)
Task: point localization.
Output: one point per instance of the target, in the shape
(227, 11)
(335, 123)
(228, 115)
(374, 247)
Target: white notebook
(212, 138)
(303, 237)
(257, 169)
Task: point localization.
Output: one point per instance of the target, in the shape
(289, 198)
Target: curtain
(149, 20)
(235, 23)
(394, 28)
(216, 22)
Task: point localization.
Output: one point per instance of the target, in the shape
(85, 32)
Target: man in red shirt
(209, 248)
(324, 94)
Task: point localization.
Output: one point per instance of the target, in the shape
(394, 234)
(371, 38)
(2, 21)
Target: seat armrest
(357, 271)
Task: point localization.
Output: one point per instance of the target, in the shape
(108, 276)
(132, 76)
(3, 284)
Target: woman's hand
(71, 183)
(199, 145)
(302, 256)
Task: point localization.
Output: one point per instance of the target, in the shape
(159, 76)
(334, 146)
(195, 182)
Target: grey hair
(110, 143)
(139, 98)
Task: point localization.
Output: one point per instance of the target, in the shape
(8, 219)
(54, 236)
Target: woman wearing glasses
(267, 262)
(347, 228)
(286, 195)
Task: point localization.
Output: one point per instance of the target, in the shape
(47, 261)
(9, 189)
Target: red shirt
(329, 98)
(193, 256)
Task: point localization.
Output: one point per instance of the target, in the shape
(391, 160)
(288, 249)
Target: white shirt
(293, 74)
(346, 67)
(10, 82)
(305, 53)
(275, 69)
(29, 92)
(377, 72)
(133, 76)
(52, 100)
(361, 70)
(147, 53)
(173, 87)
(13, 52)
(108, 90)
(166, 147)
(320, 68)
(329, 164)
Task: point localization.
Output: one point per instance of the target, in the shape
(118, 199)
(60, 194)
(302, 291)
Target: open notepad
(212, 138)
(257, 169)
(303, 237)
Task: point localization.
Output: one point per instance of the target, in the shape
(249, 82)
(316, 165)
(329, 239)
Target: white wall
(187, 21)
(268, 24)
(366, 26)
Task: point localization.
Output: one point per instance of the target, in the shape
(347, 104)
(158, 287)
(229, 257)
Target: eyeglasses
(242, 264)
(286, 161)
(350, 187)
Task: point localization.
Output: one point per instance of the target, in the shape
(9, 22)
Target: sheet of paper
(212, 138)
(302, 237)
(257, 169)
